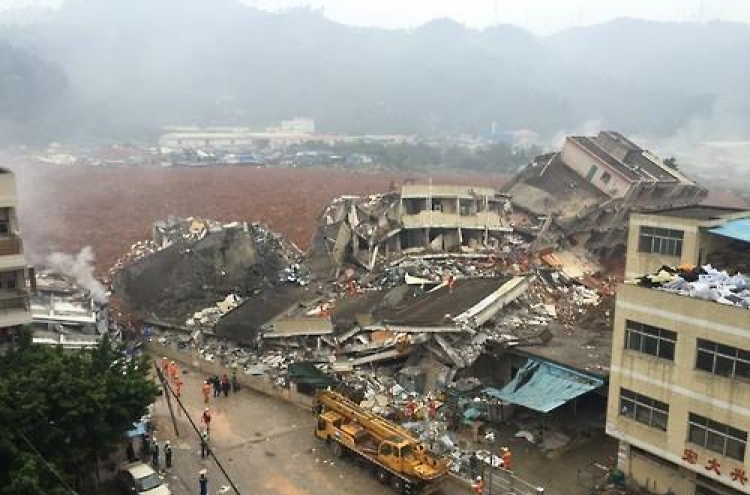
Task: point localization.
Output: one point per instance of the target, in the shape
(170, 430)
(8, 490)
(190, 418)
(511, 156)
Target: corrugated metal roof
(736, 229)
(544, 386)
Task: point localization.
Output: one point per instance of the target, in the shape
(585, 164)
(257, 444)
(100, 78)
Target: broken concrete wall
(189, 275)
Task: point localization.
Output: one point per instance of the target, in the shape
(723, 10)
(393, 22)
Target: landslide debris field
(63, 208)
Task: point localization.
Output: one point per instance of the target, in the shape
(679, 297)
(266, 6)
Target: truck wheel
(383, 476)
(397, 484)
(338, 450)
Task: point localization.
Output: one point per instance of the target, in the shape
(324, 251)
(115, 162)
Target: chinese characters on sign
(738, 474)
(690, 456)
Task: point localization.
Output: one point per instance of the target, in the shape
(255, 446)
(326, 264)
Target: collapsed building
(195, 270)
(421, 321)
(420, 217)
(490, 300)
(585, 192)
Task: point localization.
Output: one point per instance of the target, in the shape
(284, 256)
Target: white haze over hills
(113, 69)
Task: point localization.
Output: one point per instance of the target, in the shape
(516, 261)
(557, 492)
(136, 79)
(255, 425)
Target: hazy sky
(540, 16)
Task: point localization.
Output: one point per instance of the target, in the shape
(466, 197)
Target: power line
(47, 464)
(166, 385)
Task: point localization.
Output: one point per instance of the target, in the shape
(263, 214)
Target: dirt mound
(64, 208)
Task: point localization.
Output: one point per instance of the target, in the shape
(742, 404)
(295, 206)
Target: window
(4, 221)
(662, 241)
(646, 410)
(606, 177)
(650, 340)
(722, 360)
(8, 280)
(720, 438)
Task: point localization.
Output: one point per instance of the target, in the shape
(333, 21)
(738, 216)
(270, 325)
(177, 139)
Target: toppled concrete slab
(199, 264)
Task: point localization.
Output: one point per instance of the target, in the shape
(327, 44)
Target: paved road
(266, 445)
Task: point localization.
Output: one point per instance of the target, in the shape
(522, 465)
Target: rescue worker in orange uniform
(507, 459)
(206, 392)
(175, 371)
(165, 366)
(478, 486)
(206, 418)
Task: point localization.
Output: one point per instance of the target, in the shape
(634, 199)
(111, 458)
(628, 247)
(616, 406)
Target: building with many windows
(679, 393)
(14, 276)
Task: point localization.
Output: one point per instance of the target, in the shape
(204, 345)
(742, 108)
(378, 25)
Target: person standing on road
(204, 444)
(206, 418)
(165, 366)
(206, 392)
(474, 465)
(217, 385)
(203, 483)
(167, 455)
(507, 459)
(177, 387)
(225, 384)
(155, 456)
(235, 382)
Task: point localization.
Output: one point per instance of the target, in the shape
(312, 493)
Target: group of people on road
(150, 452)
(474, 468)
(217, 385)
(171, 372)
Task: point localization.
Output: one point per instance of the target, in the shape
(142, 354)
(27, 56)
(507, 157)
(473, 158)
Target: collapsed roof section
(197, 263)
(588, 189)
(362, 231)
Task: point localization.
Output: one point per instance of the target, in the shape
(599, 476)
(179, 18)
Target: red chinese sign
(690, 456)
(713, 465)
(738, 474)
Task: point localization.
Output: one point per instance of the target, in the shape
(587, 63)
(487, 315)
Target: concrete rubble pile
(195, 270)
(705, 282)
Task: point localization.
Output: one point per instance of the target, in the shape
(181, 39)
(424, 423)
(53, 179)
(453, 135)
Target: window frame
(719, 353)
(658, 240)
(633, 405)
(665, 340)
(713, 430)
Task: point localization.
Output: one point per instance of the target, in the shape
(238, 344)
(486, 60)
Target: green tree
(63, 411)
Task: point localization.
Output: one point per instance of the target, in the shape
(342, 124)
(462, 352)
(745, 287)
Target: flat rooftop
(432, 308)
(705, 283)
(695, 212)
(580, 349)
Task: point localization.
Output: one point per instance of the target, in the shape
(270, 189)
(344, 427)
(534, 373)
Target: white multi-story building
(298, 125)
(14, 276)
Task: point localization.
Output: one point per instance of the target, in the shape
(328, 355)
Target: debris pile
(192, 267)
(704, 282)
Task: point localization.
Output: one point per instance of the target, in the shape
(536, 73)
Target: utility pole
(195, 427)
(165, 386)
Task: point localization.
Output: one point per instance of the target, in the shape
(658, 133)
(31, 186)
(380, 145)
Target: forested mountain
(139, 64)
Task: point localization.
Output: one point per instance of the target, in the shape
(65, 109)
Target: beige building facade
(445, 217)
(679, 392)
(14, 275)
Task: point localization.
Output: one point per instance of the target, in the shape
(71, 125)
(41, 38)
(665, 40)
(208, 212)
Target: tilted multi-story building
(14, 276)
(679, 392)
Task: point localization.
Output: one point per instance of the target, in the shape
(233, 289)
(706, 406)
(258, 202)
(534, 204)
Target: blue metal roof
(736, 229)
(544, 386)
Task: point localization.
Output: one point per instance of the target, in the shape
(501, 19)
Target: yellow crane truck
(390, 450)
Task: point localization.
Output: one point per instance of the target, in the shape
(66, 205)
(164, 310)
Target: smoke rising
(81, 268)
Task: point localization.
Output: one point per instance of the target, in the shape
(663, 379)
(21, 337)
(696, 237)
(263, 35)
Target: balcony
(13, 301)
(10, 246)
